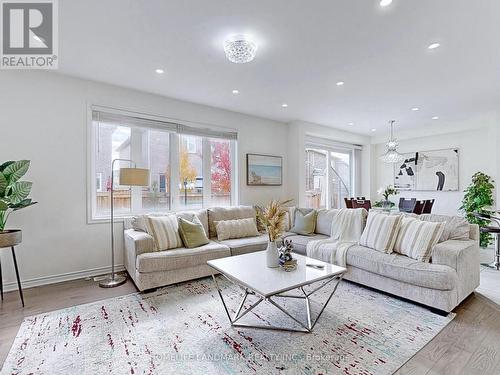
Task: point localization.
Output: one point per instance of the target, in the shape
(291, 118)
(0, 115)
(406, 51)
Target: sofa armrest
(463, 257)
(137, 242)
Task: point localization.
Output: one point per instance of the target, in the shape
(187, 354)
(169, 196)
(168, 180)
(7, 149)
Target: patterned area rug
(183, 329)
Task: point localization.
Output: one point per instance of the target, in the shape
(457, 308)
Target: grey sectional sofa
(452, 274)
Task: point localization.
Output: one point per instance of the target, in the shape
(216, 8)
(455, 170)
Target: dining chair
(428, 206)
(362, 203)
(419, 207)
(407, 204)
(494, 230)
(348, 202)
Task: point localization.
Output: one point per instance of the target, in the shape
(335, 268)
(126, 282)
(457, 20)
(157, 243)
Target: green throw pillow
(192, 232)
(305, 223)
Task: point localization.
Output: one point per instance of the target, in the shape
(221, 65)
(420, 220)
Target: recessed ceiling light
(340, 83)
(351, 124)
(284, 105)
(374, 130)
(415, 109)
(435, 118)
(240, 49)
(235, 92)
(384, 3)
(434, 45)
(159, 71)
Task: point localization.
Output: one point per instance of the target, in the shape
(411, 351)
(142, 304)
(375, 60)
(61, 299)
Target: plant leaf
(3, 184)
(19, 191)
(16, 170)
(22, 205)
(3, 206)
(5, 165)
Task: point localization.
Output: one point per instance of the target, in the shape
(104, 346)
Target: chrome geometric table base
(307, 327)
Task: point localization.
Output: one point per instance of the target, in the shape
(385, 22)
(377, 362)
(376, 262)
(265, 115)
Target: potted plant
(386, 203)
(478, 197)
(272, 218)
(13, 197)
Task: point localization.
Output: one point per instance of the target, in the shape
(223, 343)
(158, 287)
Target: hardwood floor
(470, 344)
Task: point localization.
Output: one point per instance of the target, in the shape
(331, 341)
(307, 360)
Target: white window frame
(174, 166)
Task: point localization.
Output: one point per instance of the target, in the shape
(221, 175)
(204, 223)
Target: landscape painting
(435, 170)
(264, 170)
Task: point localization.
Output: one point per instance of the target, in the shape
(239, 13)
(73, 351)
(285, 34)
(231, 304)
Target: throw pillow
(165, 232)
(192, 232)
(416, 238)
(381, 231)
(304, 223)
(240, 228)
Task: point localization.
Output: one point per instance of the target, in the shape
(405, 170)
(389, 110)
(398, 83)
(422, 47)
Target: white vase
(272, 258)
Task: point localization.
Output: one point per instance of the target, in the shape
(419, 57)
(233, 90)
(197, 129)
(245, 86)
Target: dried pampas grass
(272, 217)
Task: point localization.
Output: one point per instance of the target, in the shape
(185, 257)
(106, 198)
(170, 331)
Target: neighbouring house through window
(330, 172)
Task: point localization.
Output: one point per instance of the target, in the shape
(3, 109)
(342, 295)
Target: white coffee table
(249, 271)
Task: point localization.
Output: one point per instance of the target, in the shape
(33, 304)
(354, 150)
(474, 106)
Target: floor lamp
(128, 177)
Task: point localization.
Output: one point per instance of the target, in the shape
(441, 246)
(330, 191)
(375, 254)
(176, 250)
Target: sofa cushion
(240, 246)
(192, 232)
(381, 231)
(456, 227)
(202, 215)
(228, 213)
(401, 268)
(304, 223)
(165, 231)
(324, 221)
(416, 238)
(181, 257)
(240, 228)
(300, 242)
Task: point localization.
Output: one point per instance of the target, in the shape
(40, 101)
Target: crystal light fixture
(392, 155)
(240, 49)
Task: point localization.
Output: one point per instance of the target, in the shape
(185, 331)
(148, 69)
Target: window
(330, 171)
(189, 167)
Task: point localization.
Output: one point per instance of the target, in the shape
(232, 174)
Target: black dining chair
(493, 230)
(419, 207)
(407, 204)
(428, 206)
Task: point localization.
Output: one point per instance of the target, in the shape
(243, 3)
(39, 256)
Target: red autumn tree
(221, 167)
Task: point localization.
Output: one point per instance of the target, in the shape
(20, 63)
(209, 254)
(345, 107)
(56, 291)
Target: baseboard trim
(53, 279)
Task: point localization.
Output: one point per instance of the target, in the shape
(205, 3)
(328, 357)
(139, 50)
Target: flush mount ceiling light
(392, 155)
(159, 71)
(434, 45)
(340, 83)
(240, 49)
(384, 3)
(435, 118)
(284, 105)
(235, 92)
(415, 109)
(351, 124)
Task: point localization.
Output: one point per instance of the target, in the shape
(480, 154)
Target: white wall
(296, 155)
(43, 117)
(477, 152)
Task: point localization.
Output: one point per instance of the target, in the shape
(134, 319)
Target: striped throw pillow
(381, 231)
(165, 232)
(416, 238)
(227, 229)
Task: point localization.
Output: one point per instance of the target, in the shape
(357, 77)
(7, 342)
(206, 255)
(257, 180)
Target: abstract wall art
(435, 170)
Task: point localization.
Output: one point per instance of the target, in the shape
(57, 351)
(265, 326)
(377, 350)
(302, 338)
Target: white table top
(250, 270)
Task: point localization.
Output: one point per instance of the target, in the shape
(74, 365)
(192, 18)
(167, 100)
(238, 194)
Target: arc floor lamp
(128, 177)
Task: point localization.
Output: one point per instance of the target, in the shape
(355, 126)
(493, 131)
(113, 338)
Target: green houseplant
(386, 193)
(478, 197)
(13, 197)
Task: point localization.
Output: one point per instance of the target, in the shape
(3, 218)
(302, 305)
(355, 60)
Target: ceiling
(304, 48)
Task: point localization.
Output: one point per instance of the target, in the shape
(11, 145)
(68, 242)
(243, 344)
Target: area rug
(183, 329)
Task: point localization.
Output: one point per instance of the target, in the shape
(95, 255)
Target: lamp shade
(134, 176)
